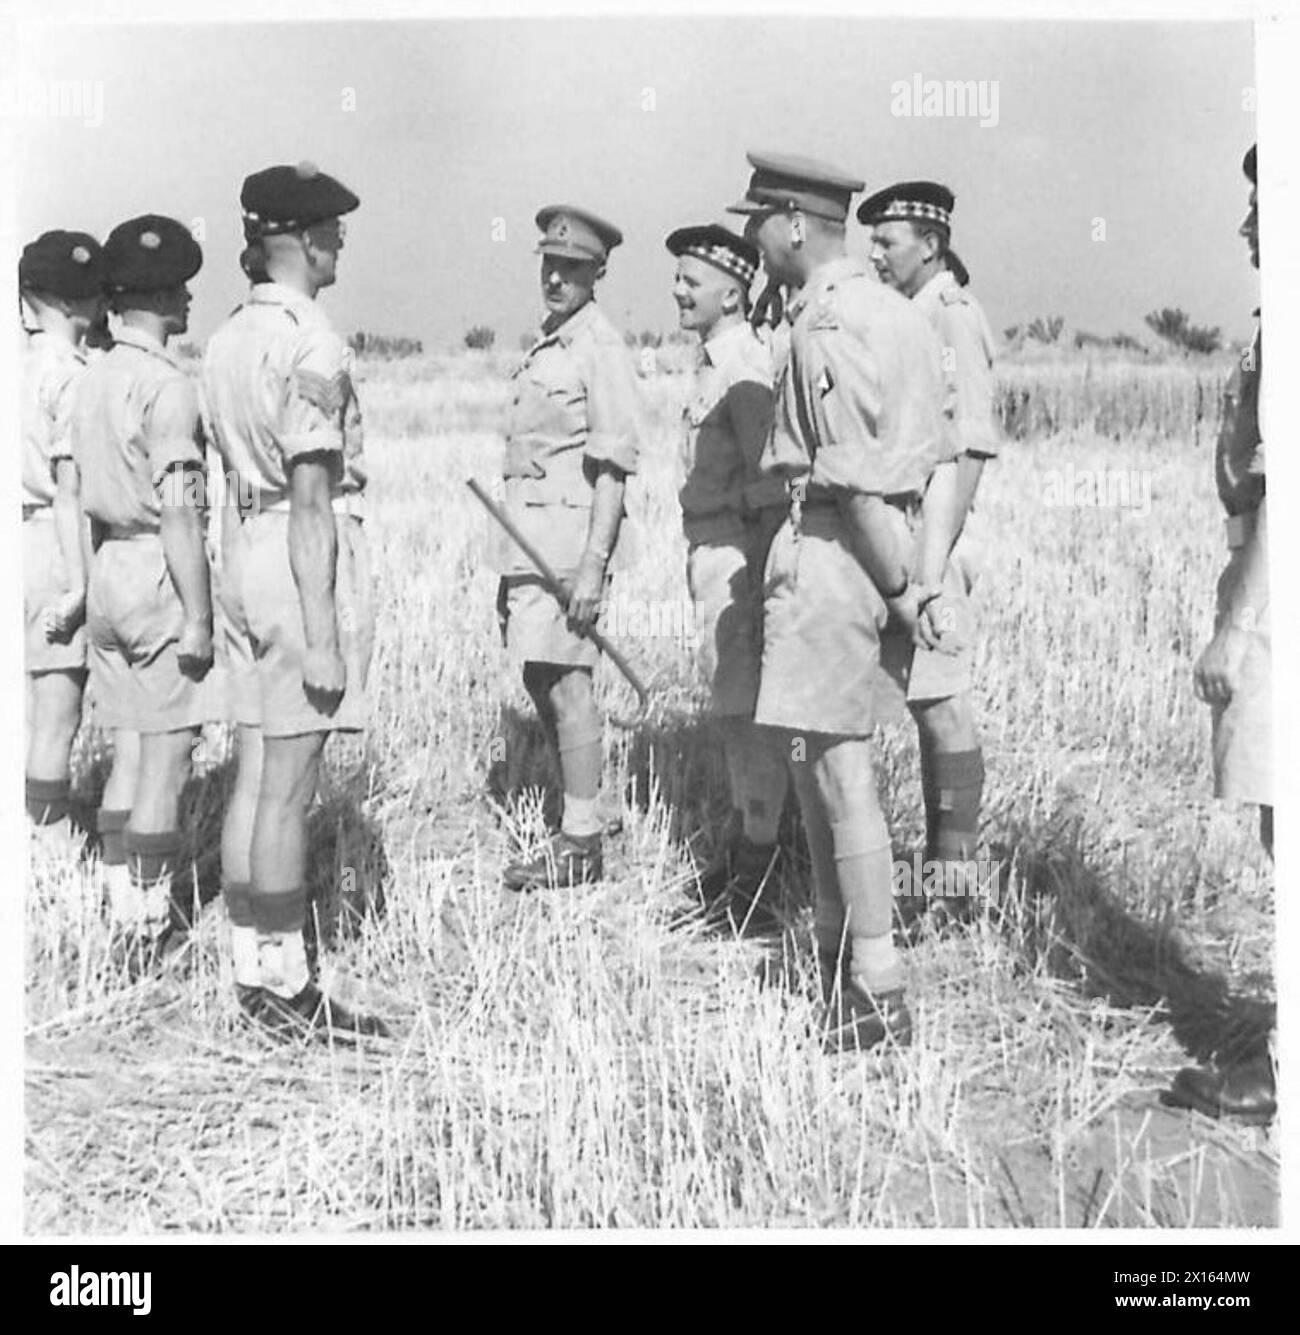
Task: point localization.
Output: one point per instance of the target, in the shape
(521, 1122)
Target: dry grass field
(595, 1060)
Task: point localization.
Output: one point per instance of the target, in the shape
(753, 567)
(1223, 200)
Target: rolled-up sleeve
(62, 403)
(615, 414)
(965, 342)
(321, 396)
(172, 429)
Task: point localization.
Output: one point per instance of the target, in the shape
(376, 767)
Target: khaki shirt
(574, 402)
(726, 425)
(52, 366)
(277, 384)
(137, 415)
(860, 401)
(1239, 452)
(968, 349)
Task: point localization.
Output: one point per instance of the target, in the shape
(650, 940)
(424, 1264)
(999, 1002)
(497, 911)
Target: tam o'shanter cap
(718, 246)
(575, 234)
(913, 201)
(64, 264)
(287, 199)
(781, 181)
(151, 253)
(1248, 164)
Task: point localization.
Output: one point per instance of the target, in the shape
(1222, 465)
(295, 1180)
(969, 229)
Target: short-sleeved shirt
(51, 370)
(136, 417)
(1239, 452)
(967, 349)
(277, 385)
(575, 403)
(726, 425)
(860, 400)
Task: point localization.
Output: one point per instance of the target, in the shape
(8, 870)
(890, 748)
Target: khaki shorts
(133, 623)
(45, 581)
(831, 661)
(534, 627)
(260, 632)
(728, 625)
(1242, 729)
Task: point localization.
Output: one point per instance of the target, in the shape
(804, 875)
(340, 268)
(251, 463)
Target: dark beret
(151, 253)
(575, 233)
(781, 181)
(913, 201)
(1248, 164)
(287, 199)
(718, 246)
(64, 264)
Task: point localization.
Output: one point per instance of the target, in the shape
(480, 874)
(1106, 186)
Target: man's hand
(194, 650)
(905, 611)
(937, 627)
(585, 595)
(62, 617)
(1218, 670)
(324, 678)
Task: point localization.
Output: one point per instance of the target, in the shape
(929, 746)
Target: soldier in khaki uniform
(730, 512)
(296, 598)
(911, 226)
(573, 435)
(861, 435)
(61, 278)
(1234, 677)
(136, 442)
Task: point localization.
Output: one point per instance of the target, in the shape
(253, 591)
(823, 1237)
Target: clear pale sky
(646, 121)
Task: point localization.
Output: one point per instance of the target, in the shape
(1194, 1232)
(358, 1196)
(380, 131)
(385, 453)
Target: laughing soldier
(911, 226)
(1234, 677)
(149, 614)
(573, 437)
(61, 280)
(297, 608)
(861, 435)
(730, 511)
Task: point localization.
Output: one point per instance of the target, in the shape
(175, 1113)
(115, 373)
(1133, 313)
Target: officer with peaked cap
(860, 435)
(573, 434)
(61, 278)
(296, 598)
(1234, 677)
(730, 511)
(911, 226)
(136, 442)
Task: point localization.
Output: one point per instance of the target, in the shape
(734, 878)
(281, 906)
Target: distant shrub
(480, 337)
(1175, 327)
(384, 346)
(1046, 330)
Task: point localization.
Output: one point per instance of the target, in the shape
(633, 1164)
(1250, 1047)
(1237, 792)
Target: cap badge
(150, 240)
(306, 170)
(80, 255)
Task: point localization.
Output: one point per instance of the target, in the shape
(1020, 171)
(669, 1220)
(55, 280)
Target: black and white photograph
(643, 621)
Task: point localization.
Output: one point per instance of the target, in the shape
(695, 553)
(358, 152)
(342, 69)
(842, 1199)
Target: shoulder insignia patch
(328, 393)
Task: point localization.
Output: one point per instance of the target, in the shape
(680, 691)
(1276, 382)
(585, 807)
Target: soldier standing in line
(730, 512)
(861, 434)
(573, 436)
(911, 226)
(136, 442)
(297, 604)
(61, 278)
(1234, 677)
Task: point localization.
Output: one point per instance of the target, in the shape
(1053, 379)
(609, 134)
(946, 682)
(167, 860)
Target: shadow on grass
(347, 866)
(1072, 921)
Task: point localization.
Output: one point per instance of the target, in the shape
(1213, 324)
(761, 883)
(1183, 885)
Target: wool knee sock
(953, 784)
(580, 765)
(125, 907)
(281, 948)
(237, 897)
(153, 860)
(47, 800)
(864, 870)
